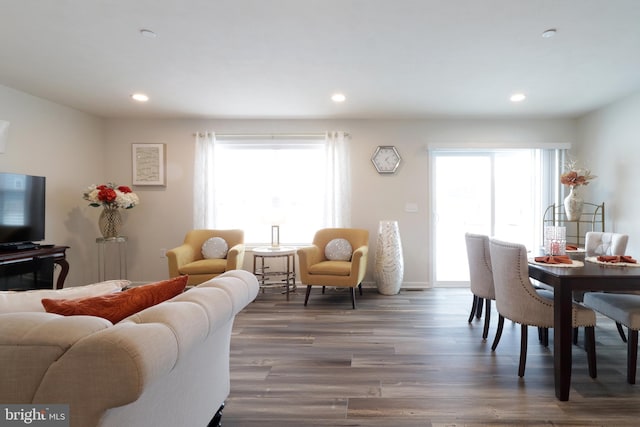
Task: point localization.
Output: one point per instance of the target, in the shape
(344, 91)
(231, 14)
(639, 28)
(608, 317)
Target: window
(270, 183)
(253, 182)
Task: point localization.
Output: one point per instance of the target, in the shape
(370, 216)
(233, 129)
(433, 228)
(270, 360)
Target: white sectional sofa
(165, 366)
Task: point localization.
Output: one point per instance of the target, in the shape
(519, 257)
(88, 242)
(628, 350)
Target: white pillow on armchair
(20, 301)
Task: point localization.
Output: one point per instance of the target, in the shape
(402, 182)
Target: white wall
(610, 147)
(164, 215)
(65, 146)
(74, 150)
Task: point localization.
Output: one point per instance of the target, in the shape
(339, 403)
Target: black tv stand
(32, 268)
(26, 246)
(22, 246)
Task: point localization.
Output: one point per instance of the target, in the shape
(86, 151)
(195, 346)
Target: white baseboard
(408, 286)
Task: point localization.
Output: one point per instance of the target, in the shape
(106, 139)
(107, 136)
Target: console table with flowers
(111, 197)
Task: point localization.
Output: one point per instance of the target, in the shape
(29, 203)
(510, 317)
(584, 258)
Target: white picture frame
(148, 164)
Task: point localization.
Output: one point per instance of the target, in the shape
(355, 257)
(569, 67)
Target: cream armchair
(316, 269)
(187, 259)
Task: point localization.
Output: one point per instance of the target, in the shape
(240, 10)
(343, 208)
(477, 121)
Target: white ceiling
(284, 58)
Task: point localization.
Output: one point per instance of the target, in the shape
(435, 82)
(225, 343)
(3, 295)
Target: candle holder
(275, 236)
(555, 240)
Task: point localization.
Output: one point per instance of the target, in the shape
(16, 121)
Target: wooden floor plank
(409, 360)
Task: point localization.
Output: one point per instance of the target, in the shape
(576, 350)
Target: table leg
(259, 275)
(122, 252)
(562, 341)
(102, 262)
(254, 265)
(293, 271)
(64, 265)
(287, 277)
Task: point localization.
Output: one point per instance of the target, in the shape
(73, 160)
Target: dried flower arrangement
(575, 177)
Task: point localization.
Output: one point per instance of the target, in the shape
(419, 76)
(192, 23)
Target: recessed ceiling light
(549, 33)
(140, 97)
(338, 97)
(148, 34)
(518, 97)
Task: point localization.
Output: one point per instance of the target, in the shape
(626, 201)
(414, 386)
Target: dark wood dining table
(565, 280)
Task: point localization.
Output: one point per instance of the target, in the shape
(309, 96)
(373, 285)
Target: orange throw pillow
(117, 306)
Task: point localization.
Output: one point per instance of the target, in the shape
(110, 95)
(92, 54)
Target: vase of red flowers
(112, 198)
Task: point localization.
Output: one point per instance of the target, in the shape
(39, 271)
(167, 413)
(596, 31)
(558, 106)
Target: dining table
(589, 276)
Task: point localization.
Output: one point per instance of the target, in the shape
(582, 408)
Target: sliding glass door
(493, 192)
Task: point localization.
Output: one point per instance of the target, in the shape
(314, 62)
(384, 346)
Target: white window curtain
(203, 181)
(338, 181)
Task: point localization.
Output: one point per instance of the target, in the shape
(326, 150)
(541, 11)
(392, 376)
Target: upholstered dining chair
(337, 257)
(519, 301)
(603, 243)
(204, 254)
(481, 279)
(623, 309)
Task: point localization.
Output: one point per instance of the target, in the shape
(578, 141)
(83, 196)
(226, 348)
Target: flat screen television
(22, 210)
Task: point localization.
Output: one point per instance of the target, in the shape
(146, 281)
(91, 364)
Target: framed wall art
(149, 161)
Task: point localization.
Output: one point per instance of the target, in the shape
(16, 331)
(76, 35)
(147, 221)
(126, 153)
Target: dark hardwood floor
(409, 360)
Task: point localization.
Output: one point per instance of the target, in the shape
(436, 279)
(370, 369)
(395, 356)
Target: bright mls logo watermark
(34, 415)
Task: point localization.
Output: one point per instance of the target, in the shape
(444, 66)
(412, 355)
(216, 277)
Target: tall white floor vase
(389, 264)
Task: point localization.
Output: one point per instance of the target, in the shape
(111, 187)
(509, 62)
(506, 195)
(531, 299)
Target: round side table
(269, 278)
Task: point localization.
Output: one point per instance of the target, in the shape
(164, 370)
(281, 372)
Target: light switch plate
(411, 207)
